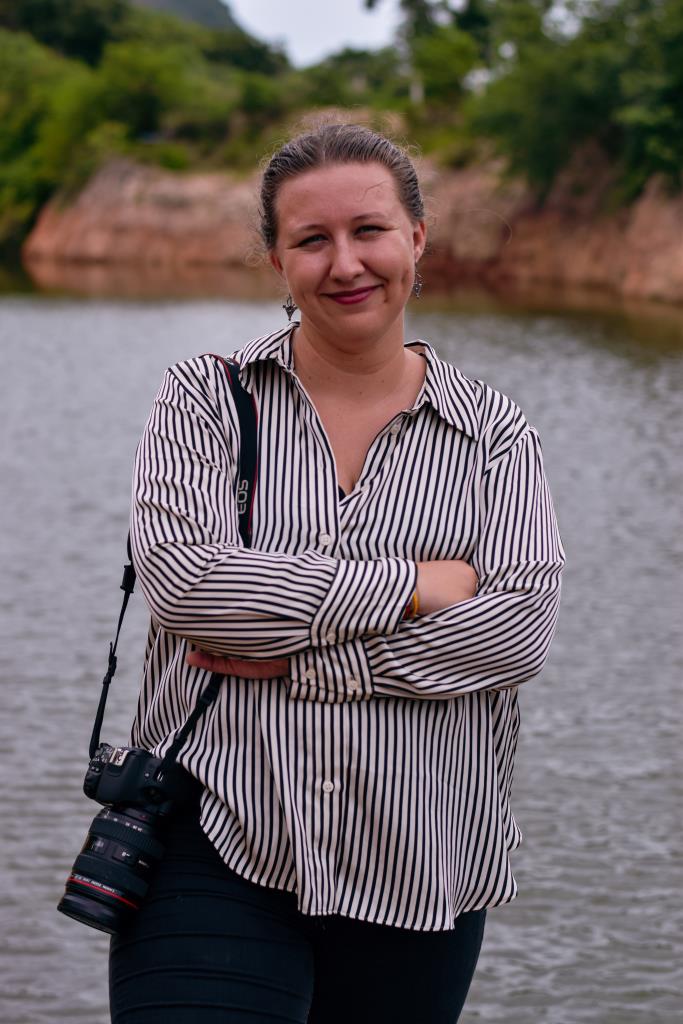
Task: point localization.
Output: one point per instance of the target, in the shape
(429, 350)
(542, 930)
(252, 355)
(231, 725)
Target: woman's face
(347, 250)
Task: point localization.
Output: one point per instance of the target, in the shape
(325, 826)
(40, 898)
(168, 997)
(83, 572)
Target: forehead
(337, 190)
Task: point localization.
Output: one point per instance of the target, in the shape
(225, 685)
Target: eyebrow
(372, 215)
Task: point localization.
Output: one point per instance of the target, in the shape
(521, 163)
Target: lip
(352, 296)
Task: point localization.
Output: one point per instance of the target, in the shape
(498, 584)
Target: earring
(290, 307)
(417, 283)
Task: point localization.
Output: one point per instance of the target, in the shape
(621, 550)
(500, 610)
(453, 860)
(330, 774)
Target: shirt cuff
(331, 675)
(365, 599)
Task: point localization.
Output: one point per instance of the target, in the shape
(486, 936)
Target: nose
(346, 263)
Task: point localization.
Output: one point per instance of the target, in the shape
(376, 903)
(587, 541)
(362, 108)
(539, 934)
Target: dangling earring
(417, 283)
(290, 307)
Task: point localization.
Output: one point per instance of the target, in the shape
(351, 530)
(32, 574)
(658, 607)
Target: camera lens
(111, 874)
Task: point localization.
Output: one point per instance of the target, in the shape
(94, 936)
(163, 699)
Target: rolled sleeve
(332, 675)
(365, 598)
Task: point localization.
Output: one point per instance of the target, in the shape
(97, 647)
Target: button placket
(324, 462)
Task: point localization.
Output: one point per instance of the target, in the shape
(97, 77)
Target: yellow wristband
(412, 607)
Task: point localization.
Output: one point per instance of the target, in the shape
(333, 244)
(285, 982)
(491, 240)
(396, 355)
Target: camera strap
(245, 486)
(127, 586)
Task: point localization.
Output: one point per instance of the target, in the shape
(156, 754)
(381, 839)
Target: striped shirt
(375, 783)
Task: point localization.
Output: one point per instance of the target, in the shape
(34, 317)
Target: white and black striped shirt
(376, 782)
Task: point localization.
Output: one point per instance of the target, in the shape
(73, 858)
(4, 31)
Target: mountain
(210, 13)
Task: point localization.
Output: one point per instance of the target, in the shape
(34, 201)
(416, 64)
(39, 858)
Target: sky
(312, 29)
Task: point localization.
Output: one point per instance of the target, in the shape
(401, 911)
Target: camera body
(111, 874)
(131, 776)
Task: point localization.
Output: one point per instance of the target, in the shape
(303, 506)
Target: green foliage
(476, 18)
(27, 77)
(420, 17)
(210, 13)
(115, 79)
(139, 25)
(239, 50)
(140, 83)
(546, 105)
(442, 59)
(144, 85)
(518, 24)
(616, 79)
(30, 79)
(73, 115)
(76, 28)
(351, 77)
(650, 113)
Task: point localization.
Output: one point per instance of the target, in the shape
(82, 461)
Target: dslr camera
(111, 874)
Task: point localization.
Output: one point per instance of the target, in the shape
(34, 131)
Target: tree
(240, 50)
(356, 76)
(140, 83)
(443, 58)
(76, 28)
(420, 17)
(650, 113)
(611, 74)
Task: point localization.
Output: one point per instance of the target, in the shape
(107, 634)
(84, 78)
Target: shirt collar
(448, 391)
(277, 346)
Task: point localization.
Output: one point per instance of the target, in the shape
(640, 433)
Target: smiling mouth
(353, 296)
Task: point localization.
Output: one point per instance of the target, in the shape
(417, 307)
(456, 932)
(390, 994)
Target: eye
(311, 240)
(366, 229)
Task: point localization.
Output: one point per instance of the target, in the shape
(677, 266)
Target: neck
(372, 371)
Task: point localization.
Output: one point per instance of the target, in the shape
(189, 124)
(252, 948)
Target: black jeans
(208, 947)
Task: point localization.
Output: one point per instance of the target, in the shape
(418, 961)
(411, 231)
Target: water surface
(595, 933)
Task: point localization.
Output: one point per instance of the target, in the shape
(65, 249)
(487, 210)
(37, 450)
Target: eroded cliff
(483, 230)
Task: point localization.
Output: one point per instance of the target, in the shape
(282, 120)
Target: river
(595, 935)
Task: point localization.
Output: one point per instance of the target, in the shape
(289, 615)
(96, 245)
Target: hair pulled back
(336, 144)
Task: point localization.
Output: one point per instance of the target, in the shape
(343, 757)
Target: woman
(403, 579)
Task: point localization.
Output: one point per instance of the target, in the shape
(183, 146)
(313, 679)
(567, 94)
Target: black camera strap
(245, 486)
(127, 586)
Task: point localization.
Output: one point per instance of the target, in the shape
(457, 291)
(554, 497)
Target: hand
(441, 584)
(245, 668)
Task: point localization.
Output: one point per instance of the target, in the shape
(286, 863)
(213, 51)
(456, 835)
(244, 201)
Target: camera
(111, 874)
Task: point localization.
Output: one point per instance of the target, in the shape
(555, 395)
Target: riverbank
(485, 231)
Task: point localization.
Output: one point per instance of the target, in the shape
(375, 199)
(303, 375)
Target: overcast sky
(312, 29)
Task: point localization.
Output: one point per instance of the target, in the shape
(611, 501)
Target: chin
(361, 331)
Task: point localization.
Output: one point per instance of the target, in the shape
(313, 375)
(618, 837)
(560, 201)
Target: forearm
(232, 600)
(489, 642)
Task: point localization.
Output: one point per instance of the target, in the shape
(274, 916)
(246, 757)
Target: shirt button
(331, 638)
(353, 684)
(325, 539)
(328, 786)
(395, 429)
(310, 673)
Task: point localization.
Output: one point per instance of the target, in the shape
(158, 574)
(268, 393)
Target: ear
(275, 262)
(419, 239)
